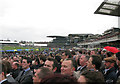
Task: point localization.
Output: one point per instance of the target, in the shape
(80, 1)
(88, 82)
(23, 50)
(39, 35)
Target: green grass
(17, 47)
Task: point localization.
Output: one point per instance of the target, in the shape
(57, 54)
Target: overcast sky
(33, 20)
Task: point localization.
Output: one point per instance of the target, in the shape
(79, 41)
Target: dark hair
(80, 51)
(28, 59)
(74, 64)
(16, 63)
(59, 78)
(73, 52)
(58, 58)
(118, 55)
(43, 58)
(37, 60)
(44, 72)
(55, 63)
(3, 68)
(93, 77)
(109, 54)
(86, 57)
(97, 61)
(8, 66)
(67, 53)
(78, 61)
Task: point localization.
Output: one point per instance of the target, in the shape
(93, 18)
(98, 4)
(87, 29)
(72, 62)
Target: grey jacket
(26, 78)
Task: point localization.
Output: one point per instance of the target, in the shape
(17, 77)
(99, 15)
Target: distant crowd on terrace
(72, 66)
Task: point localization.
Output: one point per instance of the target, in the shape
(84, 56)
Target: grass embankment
(17, 47)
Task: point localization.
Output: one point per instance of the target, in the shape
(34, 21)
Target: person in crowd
(36, 64)
(15, 69)
(83, 63)
(73, 53)
(58, 58)
(68, 67)
(109, 54)
(20, 64)
(42, 60)
(40, 73)
(77, 61)
(118, 63)
(110, 72)
(59, 79)
(65, 54)
(91, 77)
(8, 70)
(52, 64)
(26, 75)
(94, 63)
(93, 52)
(15, 58)
(103, 53)
(3, 71)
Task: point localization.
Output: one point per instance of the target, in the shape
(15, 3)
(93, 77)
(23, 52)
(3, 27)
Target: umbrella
(10, 50)
(111, 49)
(19, 49)
(15, 49)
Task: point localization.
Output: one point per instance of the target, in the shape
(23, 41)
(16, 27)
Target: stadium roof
(109, 7)
(57, 36)
(9, 42)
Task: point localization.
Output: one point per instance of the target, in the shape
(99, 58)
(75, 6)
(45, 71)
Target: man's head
(91, 77)
(3, 71)
(26, 62)
(51, 64)
(8, 66)
(83, 60)
(42, 59)
(68, 66)
(94, 62)
(14, 58)
(40, 74)
(66, 54)
(92, 52)
(109, 62)
(59, 79)
(15, 65)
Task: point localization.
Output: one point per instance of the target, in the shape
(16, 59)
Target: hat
(112, 49)
(110, 59)
(104, 50)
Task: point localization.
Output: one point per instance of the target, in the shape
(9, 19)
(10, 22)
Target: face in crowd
(66, 67)
(63, 56)
(25, 64)
(49, 64)
(36, 78)
(83, 60)
(89, 64)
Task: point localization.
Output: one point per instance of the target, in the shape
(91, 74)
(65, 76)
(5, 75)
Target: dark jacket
(110, 76)
(15, 73)
(26, 78)
(81, 70)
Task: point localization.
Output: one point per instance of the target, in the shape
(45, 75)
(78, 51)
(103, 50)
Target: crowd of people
(72, 66)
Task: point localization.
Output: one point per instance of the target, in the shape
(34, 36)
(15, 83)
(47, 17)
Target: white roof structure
(9, 42)
(40, 44)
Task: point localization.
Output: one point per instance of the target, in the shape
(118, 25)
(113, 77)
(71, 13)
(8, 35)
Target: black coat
(15, 73)
(110, 76)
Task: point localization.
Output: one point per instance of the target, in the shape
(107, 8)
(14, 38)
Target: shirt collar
(27, 69)
(8, 75)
